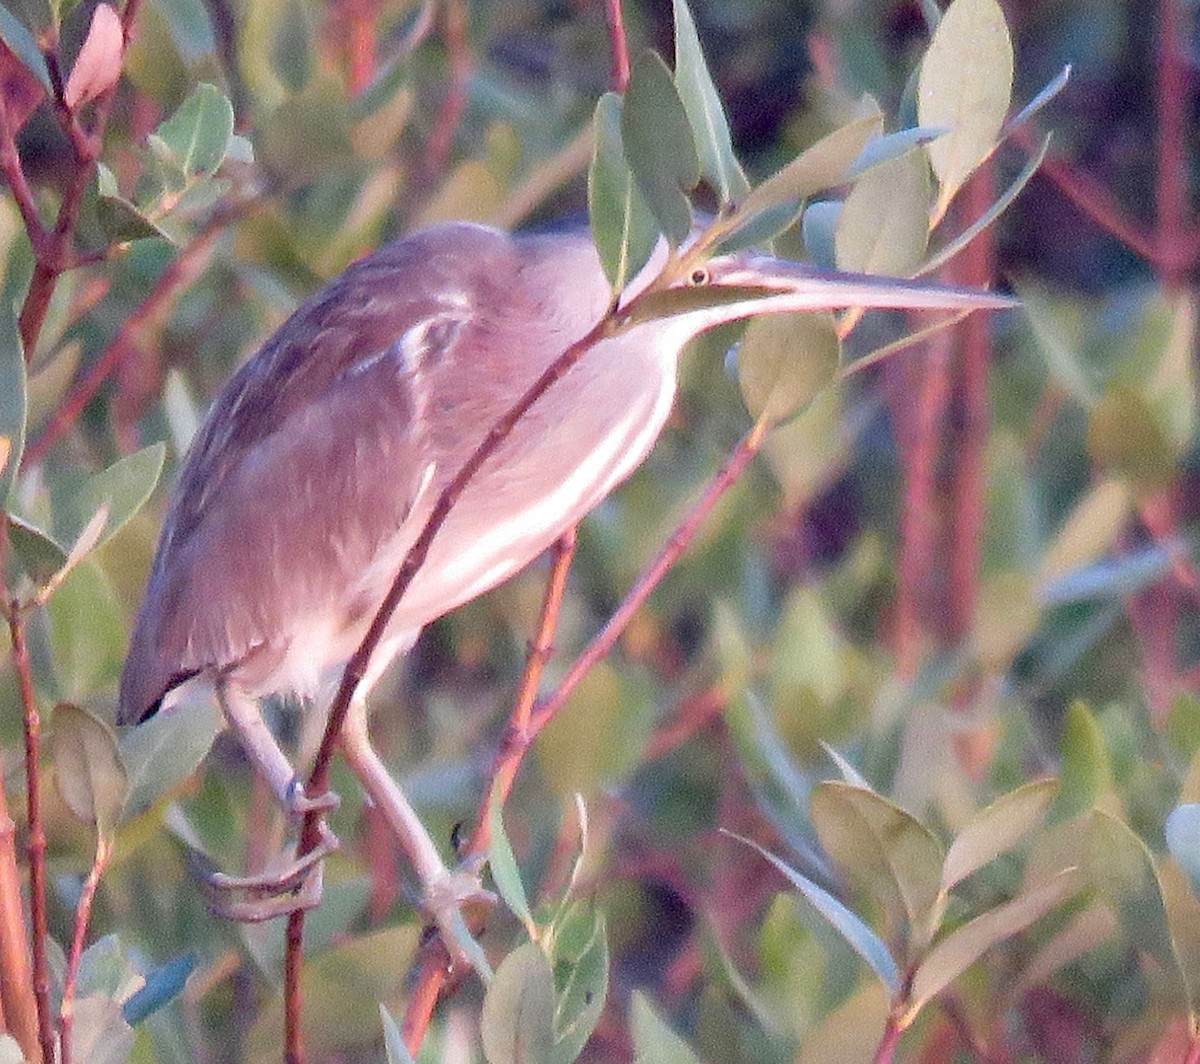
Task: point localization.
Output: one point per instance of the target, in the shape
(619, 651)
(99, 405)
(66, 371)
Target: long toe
(458, 905)
(254, 909)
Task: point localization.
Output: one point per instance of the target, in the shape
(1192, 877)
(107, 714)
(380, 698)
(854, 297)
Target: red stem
(1172, 105)
(886, 1053)
(36, 828)
(83, 914)
(619, 45)
(977, 267)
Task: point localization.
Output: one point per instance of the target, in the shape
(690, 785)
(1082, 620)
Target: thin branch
(651, 577)
(886, 1053)
(36, 827)
(1172, 105)
(618, 45)
(182, 272)
(1094, 200)
(454, 103)
(83, 915)
(519, 735)
(17, 1001)
(14, 176)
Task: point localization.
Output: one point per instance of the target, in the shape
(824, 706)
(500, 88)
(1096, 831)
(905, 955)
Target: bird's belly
(482, 544)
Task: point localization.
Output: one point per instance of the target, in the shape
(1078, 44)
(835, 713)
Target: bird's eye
(699, 276)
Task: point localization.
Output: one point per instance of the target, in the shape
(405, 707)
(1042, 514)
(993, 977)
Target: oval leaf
(1122, 873)
(884, 223)
(198, 133)
(657, 139)
(123, 487)
(581, 945)
(517, 1023)
(884, 849)
(784, 360)
(710, 128)
(965, 86)
(820, 166)
(623, 228)
(166, 749)
(87, 767)
(997, 829)
(959, 950)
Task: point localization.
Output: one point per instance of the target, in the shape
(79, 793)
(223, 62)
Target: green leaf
(657, 139)
(87, 767)
(623, 228)
(962, 948)
(653, 1041)
(820, 166)
(517, 1022)
(1125, 438)
(580, 949)
(885, 850)
(861, 938)
(24, 46)
(965, 85)
(1087, 772)
(393, 1040)
(40, 555)
(710, 128)
(997, 829)
(13, 405)
(1121, 870)
(198, 133)
(87, 632)
(1183, 840)
(890, 146)
(505, 873)
(884, 223)
(123, 487)
(165, 750)
(122, 222)
(1182, 906)
(784, 360)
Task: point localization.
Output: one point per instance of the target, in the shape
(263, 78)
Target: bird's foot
(297, 803)
(458, 906)
(292, 884)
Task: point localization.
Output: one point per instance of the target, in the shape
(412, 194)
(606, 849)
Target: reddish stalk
(977, 266)
(919, 430)
(619, 45)
(651, 577)
(458, 51)
(18, 1006)
(36, 827)
(1172, 104)
(519, 733)
(182, 272)
(83, 914)
(886, 1053)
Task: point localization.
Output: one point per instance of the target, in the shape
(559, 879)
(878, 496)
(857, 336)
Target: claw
(294, 884)
(458, 905)
(299, 804)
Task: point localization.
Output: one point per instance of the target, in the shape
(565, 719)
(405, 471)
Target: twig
(519, 735)
(651, 577)
(183, 271)
(37, 832)
(454, 103)
(886, 1052)
(17, 1002)
(83, 914)
(14, 177)
(618, 45)
(976, 266)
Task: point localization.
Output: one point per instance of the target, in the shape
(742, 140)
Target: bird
(319, 462)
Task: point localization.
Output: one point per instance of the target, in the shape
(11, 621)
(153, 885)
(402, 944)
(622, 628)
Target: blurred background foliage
(962, 575)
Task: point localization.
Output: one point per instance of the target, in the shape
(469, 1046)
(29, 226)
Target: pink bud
(98, 66)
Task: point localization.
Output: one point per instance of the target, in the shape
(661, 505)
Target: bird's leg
(448, 896)
(295, 882)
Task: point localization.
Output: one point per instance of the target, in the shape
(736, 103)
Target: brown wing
(309, 458)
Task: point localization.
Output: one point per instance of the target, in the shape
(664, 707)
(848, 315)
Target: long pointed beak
(796, 286)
